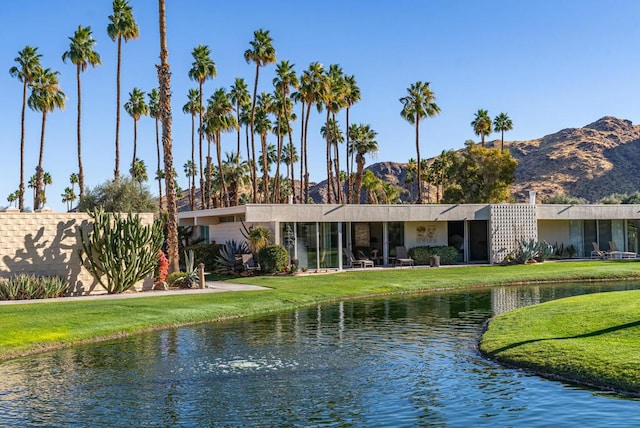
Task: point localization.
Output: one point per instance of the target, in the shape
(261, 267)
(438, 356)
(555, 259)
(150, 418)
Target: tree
(285, 79)
(239, 95)
(154, 112)
(439, 171)
(164, 80)
(351, 96)
(82, 53)
(13, 196)
(46, 96)
(122, 26)
(236, 170)
(192, 107)
(68, 196)
(190, 171)
(136, 107)
(73, 180)
(261, 53)
(46, 181)
(202, 68)
(480, 175)
(481, 124)
(138, 172)
(420, 102)
(332, 134)
(502, 123)
(363, 142)
(28, 60)
(263, 126)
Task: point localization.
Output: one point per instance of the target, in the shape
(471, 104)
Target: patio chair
(402, 258)
(614, 253)
(249, 263)
(597, 252)
(353, 262)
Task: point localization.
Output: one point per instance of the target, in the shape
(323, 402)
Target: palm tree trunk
(346, 157)
(238, 120)
(158, 169)
(192, 190)
(116, 172)
(135, 144)
(357, 191)
(276, 180)
(24, 105)
(202, 198)
(328, 154)
(419, 177)
(224, 196)
(254, 184)
(306, 165)
(290, 169)
(164, 79)
(502, 141)
(265, 169)
(80, 169)
(39, 170)
(303, 154)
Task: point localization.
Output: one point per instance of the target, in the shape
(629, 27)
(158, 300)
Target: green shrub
(24, 287)
(205, 253)
(273, 259)
(421, 255)
(174, 278)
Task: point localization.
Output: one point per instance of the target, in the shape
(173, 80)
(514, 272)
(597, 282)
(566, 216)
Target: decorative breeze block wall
(510, 224)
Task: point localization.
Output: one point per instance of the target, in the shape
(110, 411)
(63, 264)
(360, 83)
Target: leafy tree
(82, 53)
(502, 123)
(136, 107)
(481, 124)
(420, 102)
(262, 53)
(202, 68)
(124, 195)
(46, 96)
(28, 67)
(480, 175)
(122, 26)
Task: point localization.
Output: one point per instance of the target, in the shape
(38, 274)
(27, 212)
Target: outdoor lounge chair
(353, 262)
(402, 258)
(614, 253)
(249, 263)
(597, 252)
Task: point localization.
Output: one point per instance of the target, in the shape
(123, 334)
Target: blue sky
(548, 64)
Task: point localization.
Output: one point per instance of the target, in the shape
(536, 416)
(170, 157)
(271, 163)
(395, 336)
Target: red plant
(162, 268)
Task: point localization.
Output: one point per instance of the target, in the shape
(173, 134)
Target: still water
(387, 362)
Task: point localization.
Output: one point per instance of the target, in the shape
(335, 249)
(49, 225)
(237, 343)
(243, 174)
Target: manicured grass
(34, 327)
(592, 339)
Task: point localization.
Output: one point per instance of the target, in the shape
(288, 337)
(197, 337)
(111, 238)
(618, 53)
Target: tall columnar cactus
(119, 251)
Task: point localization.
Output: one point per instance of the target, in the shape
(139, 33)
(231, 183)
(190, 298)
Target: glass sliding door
(329, 245)
(307, 245)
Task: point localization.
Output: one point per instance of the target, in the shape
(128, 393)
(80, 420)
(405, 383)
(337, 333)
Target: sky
(548, 64)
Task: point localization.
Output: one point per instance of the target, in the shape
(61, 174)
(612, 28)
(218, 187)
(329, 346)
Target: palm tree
(262, 53)
(32, 184)
(82, 53)
(420, 102)
(502, 123)
(122, 26)
(410, 177)
(68, 197)
(481, 124)
(138, 172)
(13, 197)
(239, 95)
(46, 96)
(46, 181)
(164, 80)
(73, 179)
(236, 171)
(192, 107)
(332, 133)
(363, 142)
(286, 78)
(136, 107)
(263, 126)
(351, 96)
(190, 171)
(154, 112)
(202, 68)
(28, 60)
(331, 95)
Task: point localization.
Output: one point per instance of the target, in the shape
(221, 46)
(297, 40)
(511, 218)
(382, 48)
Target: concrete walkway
(210, 287)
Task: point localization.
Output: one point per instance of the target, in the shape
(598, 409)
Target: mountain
(590, 162)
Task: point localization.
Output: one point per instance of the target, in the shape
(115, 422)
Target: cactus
(119, 251)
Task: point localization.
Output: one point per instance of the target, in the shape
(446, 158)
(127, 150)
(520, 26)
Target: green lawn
(34, 327)
(593, 339)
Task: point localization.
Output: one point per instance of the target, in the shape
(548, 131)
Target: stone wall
(47, 244)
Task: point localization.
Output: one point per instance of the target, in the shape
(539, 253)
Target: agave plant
(226, 261)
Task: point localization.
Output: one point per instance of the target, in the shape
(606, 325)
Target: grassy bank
(31, 328)
(592, 339)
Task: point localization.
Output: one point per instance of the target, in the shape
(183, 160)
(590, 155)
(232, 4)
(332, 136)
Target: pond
(394, 361)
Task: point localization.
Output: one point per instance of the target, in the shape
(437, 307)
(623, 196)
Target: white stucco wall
(425, 233)
(554, 231)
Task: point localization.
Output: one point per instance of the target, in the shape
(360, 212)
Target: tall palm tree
(332, 133)
(68, 197)
(136, 107)
(164, 80)
(263, 126)
(261, 53)
(190, 171)
(220, 111)
(420, 102)
(47, 180)
(138, 172)
(28, 60)
(481, 124)
(331, 96)
(192, 107)
(237, 172)
(363, 142)
(154, 112)
(286, 78)
(82, 53)
(202, 68)
(239, 95)
(351, 96)
(73, 180)
(502, 123)
(46, 96)
(122, 26)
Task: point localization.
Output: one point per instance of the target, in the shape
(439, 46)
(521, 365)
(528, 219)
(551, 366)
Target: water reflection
(399, 361)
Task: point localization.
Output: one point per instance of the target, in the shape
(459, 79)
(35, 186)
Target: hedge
(421, 255)
(273, 259)
(203, 253)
